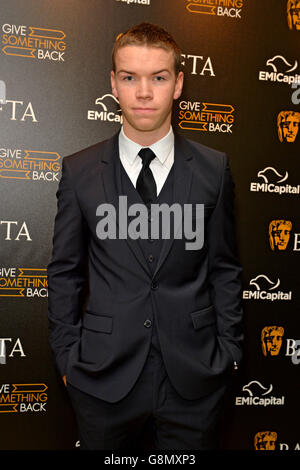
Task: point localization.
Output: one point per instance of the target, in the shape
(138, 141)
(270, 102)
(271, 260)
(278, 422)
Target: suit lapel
(182, 184)
(111, 181)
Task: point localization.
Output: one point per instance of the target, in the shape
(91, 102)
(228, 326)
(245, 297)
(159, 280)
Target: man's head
(146, 79)
(147, 34)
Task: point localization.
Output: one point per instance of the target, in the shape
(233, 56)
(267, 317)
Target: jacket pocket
(96, 322)
(204, 317)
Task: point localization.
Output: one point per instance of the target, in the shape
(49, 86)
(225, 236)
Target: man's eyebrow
(125, 71)
(153, 73)
(161, 71)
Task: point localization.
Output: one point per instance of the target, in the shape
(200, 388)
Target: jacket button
(150, 258)
(147, 323)
(154, 285)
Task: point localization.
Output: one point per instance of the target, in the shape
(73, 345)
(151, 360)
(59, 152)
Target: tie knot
(147, 155)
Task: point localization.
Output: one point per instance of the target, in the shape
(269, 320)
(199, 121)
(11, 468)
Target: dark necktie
(145, 184)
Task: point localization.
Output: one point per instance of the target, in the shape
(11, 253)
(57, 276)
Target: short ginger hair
(151, 35)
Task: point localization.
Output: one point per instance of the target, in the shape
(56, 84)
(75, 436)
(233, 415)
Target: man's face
(145, 85)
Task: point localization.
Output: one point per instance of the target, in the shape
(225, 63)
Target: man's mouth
(144, 110)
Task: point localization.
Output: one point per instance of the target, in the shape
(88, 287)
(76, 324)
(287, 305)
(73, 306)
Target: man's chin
(144, 126)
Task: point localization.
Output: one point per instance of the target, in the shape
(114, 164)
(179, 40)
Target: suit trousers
(151, 416)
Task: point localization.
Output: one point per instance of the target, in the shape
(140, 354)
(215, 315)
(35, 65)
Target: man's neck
(145, 139)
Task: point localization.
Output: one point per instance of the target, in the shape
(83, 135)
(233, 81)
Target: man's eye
(128, 78)
(159, 78)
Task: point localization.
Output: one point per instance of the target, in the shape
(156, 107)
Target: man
(158, 334)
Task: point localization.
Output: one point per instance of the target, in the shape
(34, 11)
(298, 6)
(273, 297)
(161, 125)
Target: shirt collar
(161, 148)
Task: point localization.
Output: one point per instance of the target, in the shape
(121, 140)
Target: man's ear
(178, 85)
(113, 84)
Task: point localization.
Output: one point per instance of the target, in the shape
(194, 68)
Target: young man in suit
(158, 333)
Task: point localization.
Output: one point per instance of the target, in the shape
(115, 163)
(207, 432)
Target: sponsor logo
(33, 42)
(293, 14)
(272, 182)
(258, 395)
(268, 440)
(228, 8)
(9, 348)
(23, 282)
(265, 289)
(109, 110)
(296, 94)
(33, 165)
(272, 341)
(281, 70)
(265, 440)
(2, 92)
(288, 126)
(198, 65)
(138, 2)
(17, 110)
(206, 117)
(23, 398)
(293, 350)
(279, 234)
(14, 230)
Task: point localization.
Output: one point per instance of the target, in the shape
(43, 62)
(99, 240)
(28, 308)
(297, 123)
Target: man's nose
(144, 89)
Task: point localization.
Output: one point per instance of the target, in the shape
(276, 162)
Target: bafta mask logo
(288, 126)
(265, 440)
(271, 340)
(293, 14)
(279, 234)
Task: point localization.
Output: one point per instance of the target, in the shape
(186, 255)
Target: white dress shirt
(160, 165)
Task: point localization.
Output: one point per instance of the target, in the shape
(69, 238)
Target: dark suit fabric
(193, 297)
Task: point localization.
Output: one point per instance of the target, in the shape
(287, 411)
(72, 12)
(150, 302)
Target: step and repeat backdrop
(241, 62)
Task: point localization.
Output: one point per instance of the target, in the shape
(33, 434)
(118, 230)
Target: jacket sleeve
(224, 267)
(66, 272)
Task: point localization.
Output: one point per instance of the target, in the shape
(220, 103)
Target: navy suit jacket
(101, 292)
